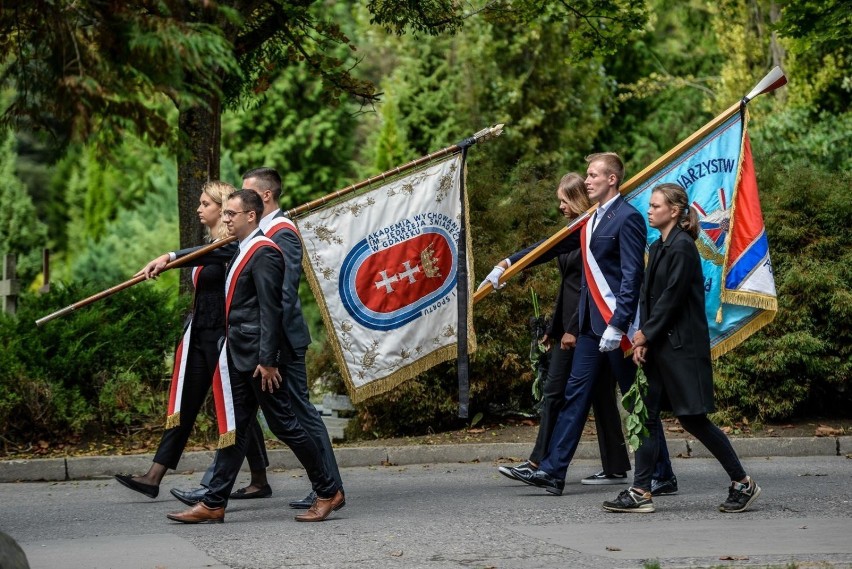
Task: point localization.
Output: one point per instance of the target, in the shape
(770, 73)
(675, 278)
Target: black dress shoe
(189, 497)
(308, 501)
(241, 494)
(305, 502)
(149, 490)
(539, 478)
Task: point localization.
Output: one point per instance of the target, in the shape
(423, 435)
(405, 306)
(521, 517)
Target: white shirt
(601, 211)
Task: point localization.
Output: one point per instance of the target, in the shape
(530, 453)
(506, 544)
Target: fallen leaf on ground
(612, 548)
(674, 429)
(826, 431)
(476, 430)
(396, 553)
(734, 558)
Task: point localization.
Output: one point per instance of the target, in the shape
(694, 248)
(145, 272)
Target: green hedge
(100, 369)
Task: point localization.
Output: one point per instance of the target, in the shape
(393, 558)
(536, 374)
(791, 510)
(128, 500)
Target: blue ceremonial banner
(718, 175)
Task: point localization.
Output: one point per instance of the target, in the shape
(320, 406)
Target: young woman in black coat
(673, 348)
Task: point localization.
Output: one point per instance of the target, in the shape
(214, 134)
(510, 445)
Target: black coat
(254, 317)
(673, 319)
(565, 314)
(296, 334)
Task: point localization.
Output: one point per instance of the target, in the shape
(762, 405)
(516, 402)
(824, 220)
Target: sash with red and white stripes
(598, 287)
(280, 224)
(222, 397)
(179, 370)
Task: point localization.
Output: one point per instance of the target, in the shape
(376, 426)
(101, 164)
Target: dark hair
(574, 188)
(269, 180)
(612, 164)
(250, 200)
(676, 196)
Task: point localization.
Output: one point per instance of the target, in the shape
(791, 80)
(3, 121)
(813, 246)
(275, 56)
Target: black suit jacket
(254, 316)
(296, 333)
(674, 321)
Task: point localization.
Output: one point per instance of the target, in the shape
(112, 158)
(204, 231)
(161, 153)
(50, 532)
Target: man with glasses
(266, 182)
(249, 363)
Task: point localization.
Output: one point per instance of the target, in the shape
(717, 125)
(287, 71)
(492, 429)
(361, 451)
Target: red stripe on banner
(175, 375)
(749, 223)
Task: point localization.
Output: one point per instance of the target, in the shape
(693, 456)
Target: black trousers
(283, 424)
(201, 359)
(296, 378)
(648, 454)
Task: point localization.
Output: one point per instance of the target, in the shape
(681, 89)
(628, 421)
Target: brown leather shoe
(199, 514)
(322, 508)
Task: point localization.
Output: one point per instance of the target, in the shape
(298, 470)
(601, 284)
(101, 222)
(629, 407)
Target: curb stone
(87, 467)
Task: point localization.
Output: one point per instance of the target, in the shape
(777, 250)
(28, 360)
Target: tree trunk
(198, 162)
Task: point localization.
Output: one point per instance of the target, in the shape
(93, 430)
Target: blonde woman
(197, 354)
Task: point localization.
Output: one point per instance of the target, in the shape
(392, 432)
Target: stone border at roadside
(88, 467)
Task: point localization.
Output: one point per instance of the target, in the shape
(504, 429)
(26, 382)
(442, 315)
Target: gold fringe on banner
(385, 384)
(228, 439)
(738, 337)
(752, 299)
(173, 420)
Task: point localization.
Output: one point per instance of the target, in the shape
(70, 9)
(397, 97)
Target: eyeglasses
(228, 214)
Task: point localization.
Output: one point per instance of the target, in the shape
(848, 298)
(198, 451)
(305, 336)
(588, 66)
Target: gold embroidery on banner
(429, 262)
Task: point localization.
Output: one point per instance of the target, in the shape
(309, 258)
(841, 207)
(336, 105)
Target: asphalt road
(448, 515)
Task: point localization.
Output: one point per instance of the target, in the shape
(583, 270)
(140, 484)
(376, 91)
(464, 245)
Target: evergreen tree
(21, 232)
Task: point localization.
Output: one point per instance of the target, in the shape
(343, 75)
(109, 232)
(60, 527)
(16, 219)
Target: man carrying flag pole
(714, 165)
(249, 362)
(612, 247)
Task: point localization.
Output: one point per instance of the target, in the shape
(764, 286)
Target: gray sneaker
(604, 478)
(664, 487)
(740, 496)
(524, 467)
(631, 501)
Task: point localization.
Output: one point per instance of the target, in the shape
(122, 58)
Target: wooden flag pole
(129, 283)
(773, 80)
(483, 135)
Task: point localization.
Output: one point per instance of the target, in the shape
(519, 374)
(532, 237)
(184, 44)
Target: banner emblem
(383, 289)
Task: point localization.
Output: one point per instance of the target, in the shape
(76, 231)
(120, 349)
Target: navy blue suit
(618, 245)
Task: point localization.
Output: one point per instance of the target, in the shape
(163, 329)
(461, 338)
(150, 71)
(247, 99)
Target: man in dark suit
(250, 360)
(266, 182)
(613, 247)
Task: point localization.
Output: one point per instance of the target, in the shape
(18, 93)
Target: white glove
(611, 339)
(494, 278)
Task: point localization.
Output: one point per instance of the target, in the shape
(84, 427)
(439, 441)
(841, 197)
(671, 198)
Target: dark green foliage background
(96, 370)
(107, 205)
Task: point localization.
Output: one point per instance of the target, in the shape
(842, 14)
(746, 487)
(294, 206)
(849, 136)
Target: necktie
(595, 221)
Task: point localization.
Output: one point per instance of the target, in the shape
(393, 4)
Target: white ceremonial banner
(383, 266)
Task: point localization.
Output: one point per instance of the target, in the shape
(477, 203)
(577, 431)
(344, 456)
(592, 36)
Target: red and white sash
(179, 369)
(280, 224)
(602, 295)
(222, 396)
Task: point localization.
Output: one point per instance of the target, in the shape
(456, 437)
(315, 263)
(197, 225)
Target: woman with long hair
(197, 353)
(673, 347)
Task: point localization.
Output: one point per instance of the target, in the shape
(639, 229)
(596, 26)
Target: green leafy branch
(634, 402)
